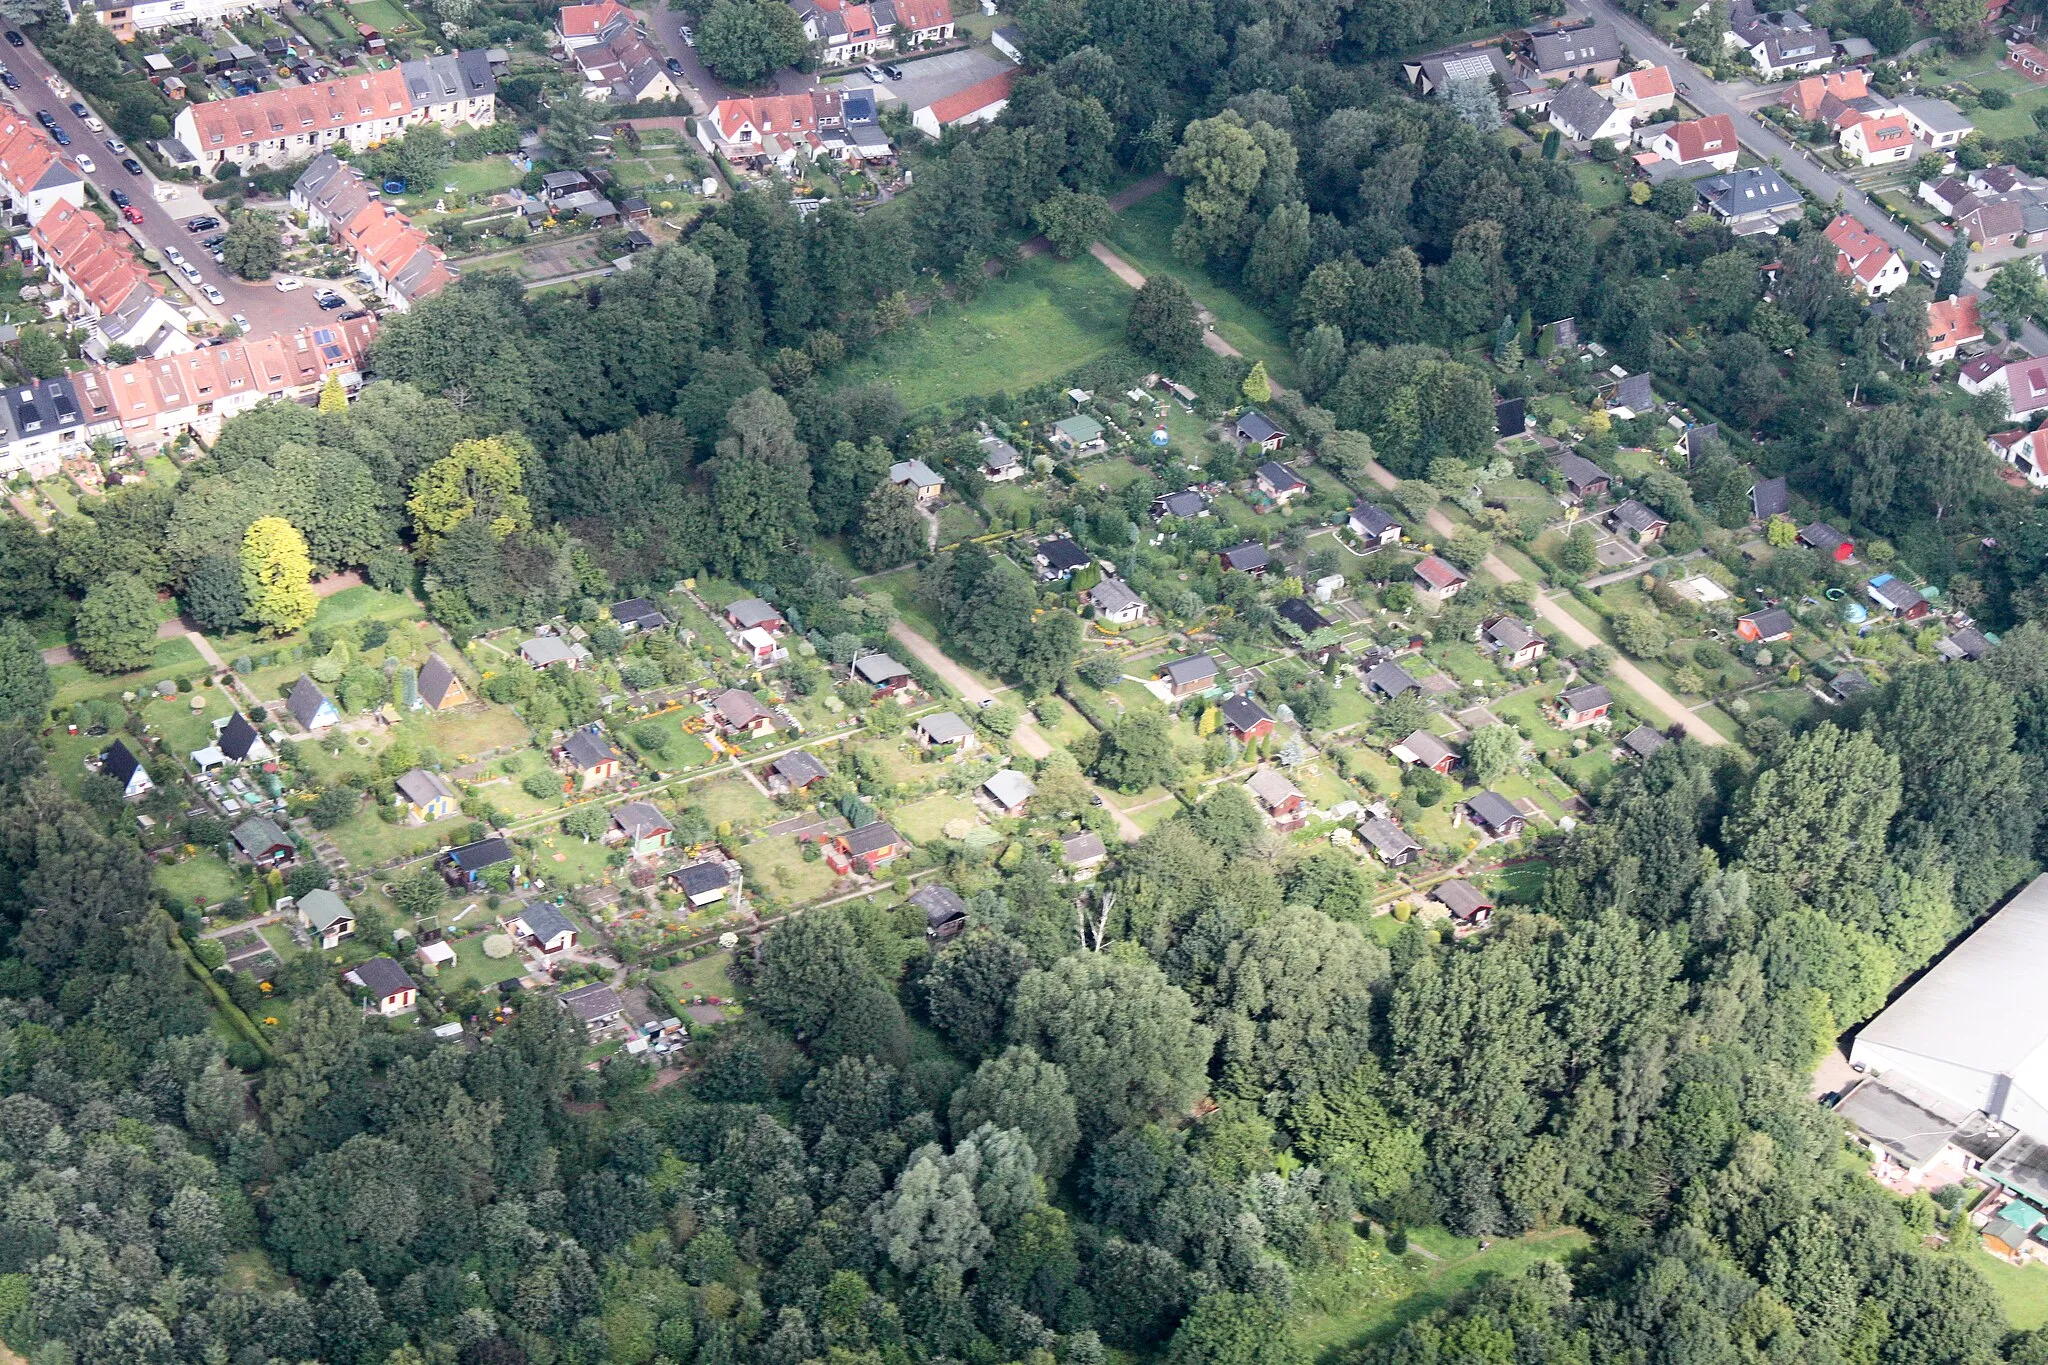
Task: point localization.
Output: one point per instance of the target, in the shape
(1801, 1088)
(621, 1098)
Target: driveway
(929, 79)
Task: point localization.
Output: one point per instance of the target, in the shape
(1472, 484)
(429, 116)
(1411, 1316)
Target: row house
(850, 32)
(397, 259)
(104, 287)
(125, 19)
(779, 131)
(43, 427)
(34, 176)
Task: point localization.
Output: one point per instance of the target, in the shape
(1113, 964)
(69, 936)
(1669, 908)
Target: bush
(541, 786)
(1994, 98)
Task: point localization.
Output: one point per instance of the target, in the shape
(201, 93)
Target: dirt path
(1135, 278)
(1570, 627)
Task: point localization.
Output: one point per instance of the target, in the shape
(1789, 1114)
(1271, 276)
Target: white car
(286, 286)
(116, 146)
(174, 256)
(189, 271)
(212, 294)
(95, 124)
(85, 164)
(689, 37)
(240, 320)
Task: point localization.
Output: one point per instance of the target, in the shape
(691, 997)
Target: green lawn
(382, 15)
(2023, 1290)
(173, 658)
(926, 820)
(1041, 320)
(1143, 235)
(471, 964)
(471, 178)
(776, 868)
(366, 840)
(202, 879)
(731, 799)
(706, 976)
(1599, 186)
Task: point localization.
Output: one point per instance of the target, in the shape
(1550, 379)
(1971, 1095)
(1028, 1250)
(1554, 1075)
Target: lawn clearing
(926, 820)
(470, 963)
(706, 976)
(367, 841)
(732, 799)
(776, 869)
(2022, 1289)
(202, 879)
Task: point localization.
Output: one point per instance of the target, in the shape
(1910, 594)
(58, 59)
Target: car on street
(46, 118)
(352, 314)
(85, 163)
(116, 146)
(240, 320)
(212, 294)
(85, 116)
(131, 213)
(190, 272)
(1684, 89)
(287, 285)
(120, 198)
(10, 80)
(131, 165)
(872, 72)
(689, 37)
(15, 39)
(675, 66)
(174, 256)
(894, 73)
(60, 137)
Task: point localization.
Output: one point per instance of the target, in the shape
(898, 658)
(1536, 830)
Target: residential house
(1511, 643)
(865, 849)
(1702, 143)
(1245, 719)
(2026, 451)
(624, 68)
(1374, 524)
(637, 616)
(1059, 556)
(1878, 140)
(1897, 598)
(919, 477)
(1644, 91)
(326, 917)
(545, 651)
(310, 707)
(1779, 42)
(41, 427)
(642, 828)
(944, 730)
(1285, 806)
(391, 989)
(102, 285)
(978, 103)
(1944, 194)
(1630, 396)
(1804, 97)
(738, 712)
(466, 865)
(884, 674)
(1966, 643)
(1196, 673)
(589, 755)
(1511, 417)
(260, 841)
(2025, 383)
(1393, 845)
(761, 648)
(1279, 483)
(126, 20)
(796, 770)
(1581, 706)
(1590, 52)
(1187, 504)
(945, 914)
(1633, 519)
(1000, 462)
(1009, 789)
(1389, 679)
(1873, 267)
(1769, 498)
(1115, 603)
(1937, 124)
(238, 740)
(783, 130)
(1300, 613)
(848, 31)
(704, 883)
(1078, 435)
(1466, 902)
(1826, 539)
(439, 686)
(579, 26)
(1084, 853)
(427, 796)
(1438, 577)
(596, 1006)
(1254, 428)
(1583, 115)
(1246, 557)
(1764, 627)
(751, 613)
(1425, 750)
(1951, 325)
(1481, 64)
(119, 763)
(1750, 201)
(1492, 814)
(1642, 741)
(1584, 481)
(397, 259)
(542, 929)
(1849, 683)
(34, 176)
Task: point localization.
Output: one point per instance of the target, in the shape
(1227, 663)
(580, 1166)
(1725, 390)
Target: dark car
(78, 109)
(46, 118)
(201, 224)
(120, 198)
(15, 39)
(675, 68)
(213, 243)
(894, 73)
(131, 165)
(60, 137)
(10, 80)
(331, 302)
(352, 314)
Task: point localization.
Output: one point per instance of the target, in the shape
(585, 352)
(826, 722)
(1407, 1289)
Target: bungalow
(1246, 719)
(541, 928)
(427, 796)
(1390, 680)
(919, 477)
(309, 706)
(596, 1006)
(589, 755)
(1588, 51)
(1078, 435)
(1511, 417)
(1394, 846)
(1196, 673)
(1115, 603)
(260, 841)
(466, 865)
(326, 917)
(704, 883)
(1702, 143)
(390, 988)
(1583, 480)
(738, 713)
(1425, 750)
(1374, 525)
(1878, 141)
(545, 651)
(1186, 504)
(1769, 498)
(1629, 396)
(637, 615)
(1826, 539)
(1084, 853)
(642, 828)
(1643, 741)
(1751, 201)
(1899, 599)
(1249, 557)
(1632, 518)
(1000, 462)
(945, 914)
(119, 762)
(1849, 683)
(761, 648)
(1511, 643)
(1059, 556)
(439, 687)
(1439, 577)
(1302, 615)
(1492, 814)
(238, 740)
(1280, 484)
(797, 770)
(1765, 627)
(944, 729)
(1581, 706)
(1873, 268)
(1281, 800)
(1938, 124)
(979, 103)
(1466, 902)
(1009, 789)
(1951, 325)
(883, 673)
(751, 613)
(1966, 644)
(1254, 428)
(865, 849)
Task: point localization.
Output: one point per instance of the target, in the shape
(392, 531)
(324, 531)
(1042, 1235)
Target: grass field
(1143, 235)
(926, 820)
(707, 976)
(470, 178)
(1039, 321)
(776, 867)
(2023, 1290)
(471, 964)
(202, 879)
(383, 16)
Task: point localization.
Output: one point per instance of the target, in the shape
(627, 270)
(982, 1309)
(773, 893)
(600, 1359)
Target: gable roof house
(1805, 95)
(1779, 42)
(239, 741)
(1966, 643)
(1584, 116)
(1439, 577)
(1058, 556)
(1766, 626)
(1246, 557)
(1425, 750)
(1511, 642)
(1492, 813)
(1581, 706)
(119, 762)
(624, 68)
(1750, 201)
(782, 130)
(427, 796)
(865, 849)
(1084, 853)
(1000, 461)
(589, 755)
(1699, 143)
(391, 989)
(1115, 603)
(1873, 267)
(1583, 480)
(1769, 498)
(1300, 613)
(103, 287)
(1374, 524)
(1951, 325)
(1642, 741)
(1254, 428)
(1899, 599)
(582, 25)
(637, 615)
(542, 929)
(1280, 483)
(944, 728)
(1009, 789)
(1877, 140)
(399, 260)
(34, 176)
(2025, 383)
(260, 841)
(1285, 806)
(1188, 504)
(751, 613)
(1195, 673)
(1246, 719)
(1389, 679)
(2026, 451)
(439, 686)
(1434, 74)
(42, 426)
(1643, 91)
(797, 770)
(466, 864)
(883, 673)
(919, 477)
(1393, 845)
(309, 706)
(596, 1006)
(703, 883)
(642, 827)
(978, 103)
(1590, 52)
(327, 917)
(1466, 902)
(1632, 395)
(945, 914)
(1079, 435)
(1830, 542)
(1638, 521)
(1935, 122)
(545, 651)
(738, 712)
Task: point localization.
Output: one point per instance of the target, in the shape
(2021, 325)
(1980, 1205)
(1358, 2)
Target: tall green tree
(1126, 1036)
(25, 687)
(116, 627)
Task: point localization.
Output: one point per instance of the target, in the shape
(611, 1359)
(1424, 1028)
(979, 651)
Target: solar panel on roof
(1460, 68)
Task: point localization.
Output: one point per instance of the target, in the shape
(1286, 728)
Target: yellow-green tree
(477, 478)
(333, 398)
(1257, 387)
(277, 575)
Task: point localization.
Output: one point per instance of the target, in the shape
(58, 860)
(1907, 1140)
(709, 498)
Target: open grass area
(1599, 186)
(707, 976)
(1041, 320)
(732, 799)
(471, 964)
(173, 658)
(366, 840)
(385, 17)
(2022, 1290)
(1143, 235)
(471, 179)
(776, 868)
(926, 820)
(202, 879)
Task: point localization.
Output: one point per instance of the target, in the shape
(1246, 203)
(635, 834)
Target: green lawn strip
(1152, 816)
(924, 820)
(958, 522)
(776, 870)
(900, 587)
(366, 840)
(1069, 725)
(1519, 786)
(707, 976)
(2022, 1289)
(1350, 708)
(733, 799)
(471, 964)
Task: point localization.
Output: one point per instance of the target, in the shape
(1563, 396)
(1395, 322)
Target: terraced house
(105, 288)
(34, 176)
(399, 260)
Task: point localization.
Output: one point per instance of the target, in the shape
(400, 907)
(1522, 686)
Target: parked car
(46, 118)
(120, 198)
(10, 80)
(85, 163)
(240, 320)
(131, 213)
(212, 295)
(331, 302)
(872, 72)
(201, 224)
(352, 314)
(213, 243)
(116, 146)
(894, 73)
(689, 37)
(287, 285)
(675, 67)
(15, 39)
(60, 137)
(131, 165)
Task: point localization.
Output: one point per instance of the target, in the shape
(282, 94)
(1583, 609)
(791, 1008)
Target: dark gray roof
(435, 678)
(1587, 698)
(736, 706)
(1848, 683)
(119, 762)
(1822, 536)
(698, 878)
(1580, 472)
(1769, 498)
(941, 904)
(1246, 557)
(305, 701)
(1083, 847)
(1186, 503)
(588, 750)
(1638, 518)
(869, 837)
(1896, 592)
(639, 613)
(237, 737)
(1754, 189)
(1063, 554)
(383, 978)
(1556, 49)
(1967, 643)
(1771, 622)
(1428, 748)
(544, 921)
(1578, 110)
(1375, 519)
(481, 854)
(1113, 594)
(1634, 393)
(1493, 810)
(640, 819)
(798, 767)
(1388, 838)
(1510, 634)
(1254, 425)
(1281, 476)
(592, 1003)
(1193, 669)
(1644, 741)
(1303, 614)
(1696, 436)
(1461, 896)
(1510, 417)
(879, 668)
(1390, 678)
(1243, 713)
(258, 835)
(422, 787)
(749, 612)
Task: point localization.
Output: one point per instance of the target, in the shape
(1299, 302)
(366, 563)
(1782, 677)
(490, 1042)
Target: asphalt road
(268, 311)
(703, 88)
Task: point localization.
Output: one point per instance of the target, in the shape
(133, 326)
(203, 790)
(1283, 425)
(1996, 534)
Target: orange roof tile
(1697, 139)
(1651, 83)
(958, 106)
(1951, 322)
(99, 264)
(360, 98)
(25, 154)
(587, 21)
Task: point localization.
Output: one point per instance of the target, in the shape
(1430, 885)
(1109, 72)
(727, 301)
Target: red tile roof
(1881, 134)
(25, 154)
(1652, 82)
(775, 113)
(100, 264)
(360, 98)
(1951, 322)
(1806, 94)
(916, 15)
(587, 21)
(974, 98)
(271, 366)
(1862, 254)
(1697, 139)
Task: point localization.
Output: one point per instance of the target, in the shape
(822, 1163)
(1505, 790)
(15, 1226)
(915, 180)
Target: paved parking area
(933, 78)
(1618, 554)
